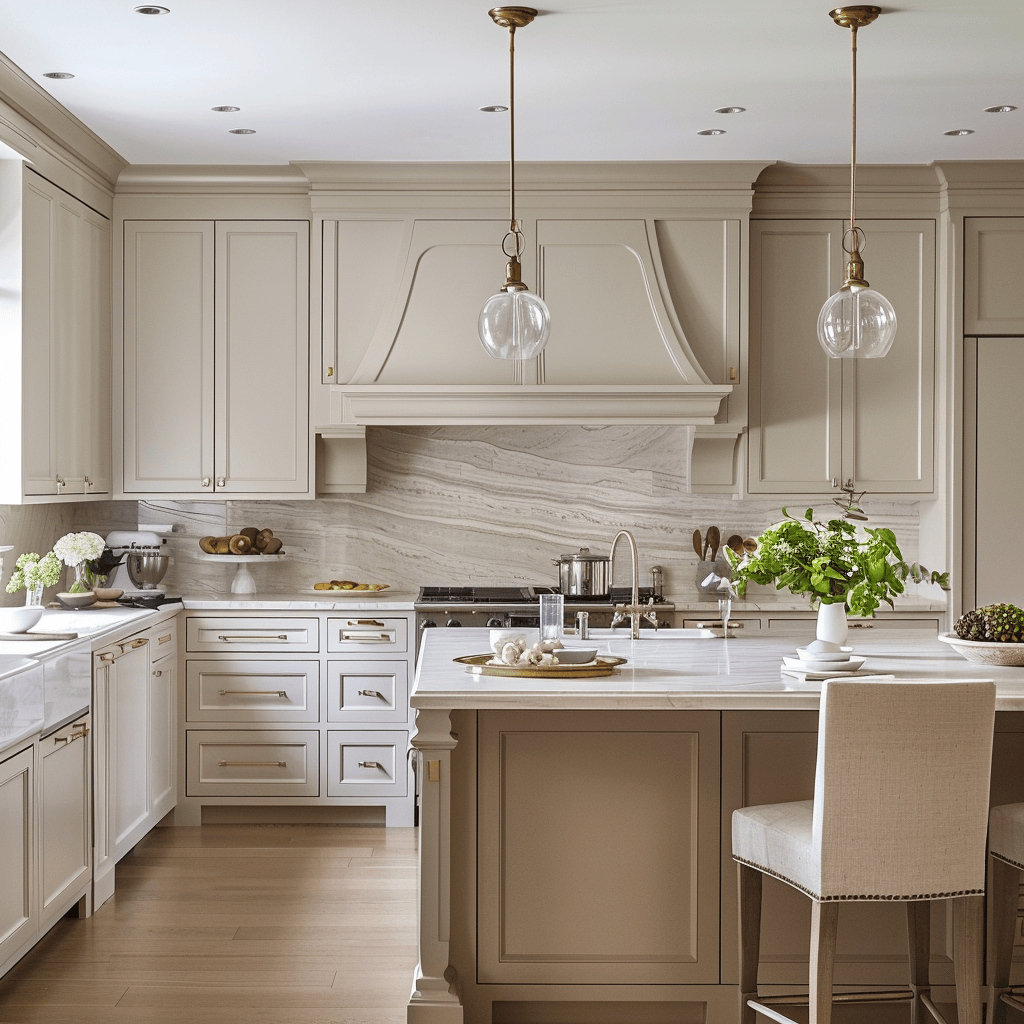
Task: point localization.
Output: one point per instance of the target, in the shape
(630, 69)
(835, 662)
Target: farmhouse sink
(622, 633)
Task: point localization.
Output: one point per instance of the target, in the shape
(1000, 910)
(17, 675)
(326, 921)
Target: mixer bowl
(146, 570)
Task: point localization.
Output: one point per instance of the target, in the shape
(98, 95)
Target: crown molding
(213, 179)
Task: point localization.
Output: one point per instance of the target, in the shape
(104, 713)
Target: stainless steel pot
(584, 574)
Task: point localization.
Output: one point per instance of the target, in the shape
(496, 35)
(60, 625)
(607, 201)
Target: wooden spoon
(714, 540)
(696, 543)
(735, 542)
(750, 545)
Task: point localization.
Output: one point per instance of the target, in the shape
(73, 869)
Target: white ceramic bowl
(576, 655)
(20, 619)
(77, 600)
(985, 652)
(824, 650)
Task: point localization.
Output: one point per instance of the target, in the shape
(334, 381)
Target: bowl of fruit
(990, 635)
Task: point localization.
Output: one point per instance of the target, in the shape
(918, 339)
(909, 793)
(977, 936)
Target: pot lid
(584, 555)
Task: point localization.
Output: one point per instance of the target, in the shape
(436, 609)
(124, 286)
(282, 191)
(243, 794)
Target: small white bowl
(575, 655)
(107, 594)
(77, 600)
(19, 619)
(824, 650)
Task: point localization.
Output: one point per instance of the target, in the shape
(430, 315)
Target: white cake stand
(243, 582)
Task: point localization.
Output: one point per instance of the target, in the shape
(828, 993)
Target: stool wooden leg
(968, 928)
(1003, 884)
(919, 938)
(749, 885)
(824, 925)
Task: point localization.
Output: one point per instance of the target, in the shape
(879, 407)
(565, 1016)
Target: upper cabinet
(993, 255)
(216, 359)
(56, 342)
(644, 280)
(817, 423)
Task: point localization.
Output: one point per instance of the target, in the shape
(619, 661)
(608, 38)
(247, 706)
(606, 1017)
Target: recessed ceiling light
(496, 108)
(712, 131)
(242, 131)
(151, 9)
(959, 131)
(57, 74)
(225, 110)
(1003, 108)
(730, 110)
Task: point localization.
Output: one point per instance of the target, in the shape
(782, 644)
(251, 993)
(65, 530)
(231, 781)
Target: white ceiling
(596, 79)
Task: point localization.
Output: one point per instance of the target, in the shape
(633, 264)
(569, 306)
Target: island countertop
(662, 672)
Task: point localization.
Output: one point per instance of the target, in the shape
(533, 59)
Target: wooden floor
(225, 924)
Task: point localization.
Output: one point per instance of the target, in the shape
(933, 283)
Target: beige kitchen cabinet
(216, 357)
(56, 418)
(292, 711)
(65, 818)
(598, 856)
(993, 253)
(19, 911)
(993, 570)
(816, 422)
(135, 754)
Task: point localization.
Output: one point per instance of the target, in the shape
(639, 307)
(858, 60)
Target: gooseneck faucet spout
(633, 609)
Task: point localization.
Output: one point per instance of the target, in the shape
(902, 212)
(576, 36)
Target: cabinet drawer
(250, 763)
(252, 635)
(367, 691)
(163, 640)
(252, 691)
(366, 632)
(367, 763)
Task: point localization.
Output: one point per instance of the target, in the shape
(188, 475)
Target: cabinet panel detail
(17, 852)
(595, 862)
(367, 763)
(247, 763)
(367, 691)
(993, 252)
(240, 691)
(249, 635)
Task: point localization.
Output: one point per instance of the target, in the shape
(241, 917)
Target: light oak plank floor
(236, 924)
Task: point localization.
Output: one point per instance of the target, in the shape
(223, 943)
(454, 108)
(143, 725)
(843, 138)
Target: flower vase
(83, 583)
(832, 626)
(33, 595)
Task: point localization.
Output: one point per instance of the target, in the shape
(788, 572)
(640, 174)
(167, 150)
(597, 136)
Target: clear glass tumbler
(552, 616)
(725, 610)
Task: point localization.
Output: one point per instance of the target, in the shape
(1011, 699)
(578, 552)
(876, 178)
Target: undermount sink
(622, 632)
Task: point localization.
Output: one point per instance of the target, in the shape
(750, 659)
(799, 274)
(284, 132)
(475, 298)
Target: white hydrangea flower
(74, 548)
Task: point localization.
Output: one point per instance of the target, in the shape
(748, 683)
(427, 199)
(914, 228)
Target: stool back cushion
(901, 788)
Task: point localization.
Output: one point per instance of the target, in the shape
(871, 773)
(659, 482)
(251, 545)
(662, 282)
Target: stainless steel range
(512, 607)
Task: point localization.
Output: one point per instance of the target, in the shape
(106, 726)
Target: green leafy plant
(30, 569)
(831, 563)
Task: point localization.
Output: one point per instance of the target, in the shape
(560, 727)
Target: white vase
(832, 625)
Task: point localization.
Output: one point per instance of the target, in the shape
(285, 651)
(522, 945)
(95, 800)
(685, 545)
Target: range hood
(641, 265)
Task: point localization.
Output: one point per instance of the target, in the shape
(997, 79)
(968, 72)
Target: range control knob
(494, 622)
(429, 624)
(453, 622)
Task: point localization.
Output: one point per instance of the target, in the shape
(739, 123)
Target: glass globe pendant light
(514, 323)
(857, 322)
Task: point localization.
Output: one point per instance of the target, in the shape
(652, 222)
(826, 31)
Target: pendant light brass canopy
(514, 323)
(857, 322)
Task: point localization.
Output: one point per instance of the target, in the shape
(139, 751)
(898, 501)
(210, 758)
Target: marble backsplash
(465, 505)
(480, 505)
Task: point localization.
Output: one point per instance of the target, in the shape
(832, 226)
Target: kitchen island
(575, 834)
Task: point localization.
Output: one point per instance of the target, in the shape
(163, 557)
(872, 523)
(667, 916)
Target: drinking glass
(552, 616)
(725, 610)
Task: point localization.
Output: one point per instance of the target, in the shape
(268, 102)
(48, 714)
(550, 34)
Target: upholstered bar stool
(1006, 861)
(899, 813)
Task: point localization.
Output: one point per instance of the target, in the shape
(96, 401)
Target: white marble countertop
(313, 601)
(98, 625)
(662, 672)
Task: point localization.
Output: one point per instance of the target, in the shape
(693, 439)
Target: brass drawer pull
(861, 625)
(367, 622)
(165, 639)
(79, 732)
(252, 764)
(369, 638)
(254, 693)
(158, 672)
(134, 645)
(371, 764)
(108, 657)
(372, 693)
(229, 638)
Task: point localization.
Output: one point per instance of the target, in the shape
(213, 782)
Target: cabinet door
(129, 748)
(262, 357)
(888, 403)
(168, 356)
(795, 441)
(18, 914)
(993, 254)
(65, 821)
(163, 737)
(93, 312)
(597, 862)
